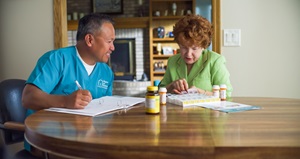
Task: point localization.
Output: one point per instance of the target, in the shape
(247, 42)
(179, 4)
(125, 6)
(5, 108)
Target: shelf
(163, 39)
(132, 22)
(72, 24)
(159, 72)
(162, 56)
(167, 18)
(120, 22)
(172, 0)
(167, 22)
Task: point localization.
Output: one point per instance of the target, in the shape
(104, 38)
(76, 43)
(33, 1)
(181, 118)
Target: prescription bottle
(216, 91)
(163, 95)
(223, 89)
(152, 100)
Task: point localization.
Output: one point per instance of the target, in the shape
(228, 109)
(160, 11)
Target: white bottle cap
(162, 89)
(223, 86)
(216, 87)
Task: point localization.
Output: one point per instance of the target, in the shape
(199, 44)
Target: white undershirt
(88, 68)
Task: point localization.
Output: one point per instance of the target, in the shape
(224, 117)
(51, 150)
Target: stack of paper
(229, 107)
(102, 105)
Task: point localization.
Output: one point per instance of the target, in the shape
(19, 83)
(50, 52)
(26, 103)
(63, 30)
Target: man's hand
(78, 99)
(36, 99)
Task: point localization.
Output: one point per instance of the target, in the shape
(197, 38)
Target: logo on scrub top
(102, 84)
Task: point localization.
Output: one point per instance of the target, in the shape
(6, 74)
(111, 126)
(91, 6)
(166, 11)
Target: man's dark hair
(91, 23)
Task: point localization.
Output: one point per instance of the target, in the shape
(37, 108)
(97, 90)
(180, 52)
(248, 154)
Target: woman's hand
(202, 91)
(178, 86)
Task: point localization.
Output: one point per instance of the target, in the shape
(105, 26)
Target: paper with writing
(102, 105)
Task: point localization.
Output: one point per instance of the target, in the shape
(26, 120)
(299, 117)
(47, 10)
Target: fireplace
(122, 60)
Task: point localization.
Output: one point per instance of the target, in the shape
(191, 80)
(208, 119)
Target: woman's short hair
(195, 29)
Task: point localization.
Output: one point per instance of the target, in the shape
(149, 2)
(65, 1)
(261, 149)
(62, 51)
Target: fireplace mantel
(120, 22)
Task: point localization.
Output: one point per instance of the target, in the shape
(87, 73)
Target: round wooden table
(176, 132)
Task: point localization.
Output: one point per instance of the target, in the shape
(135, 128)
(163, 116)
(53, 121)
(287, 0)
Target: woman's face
(189, 53)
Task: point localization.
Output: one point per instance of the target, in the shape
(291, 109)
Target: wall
(26, 33)
(267, 63)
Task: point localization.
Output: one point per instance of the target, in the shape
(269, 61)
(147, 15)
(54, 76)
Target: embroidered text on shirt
(102, 84)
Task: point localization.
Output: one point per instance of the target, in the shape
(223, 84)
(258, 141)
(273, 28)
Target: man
(52, 82)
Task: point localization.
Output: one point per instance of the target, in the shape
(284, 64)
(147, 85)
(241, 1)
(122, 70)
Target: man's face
(103, 43)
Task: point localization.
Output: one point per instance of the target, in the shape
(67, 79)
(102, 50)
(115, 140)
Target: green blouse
(209, 70)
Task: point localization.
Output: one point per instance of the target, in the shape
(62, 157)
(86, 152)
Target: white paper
(102, 105)
(227, 106)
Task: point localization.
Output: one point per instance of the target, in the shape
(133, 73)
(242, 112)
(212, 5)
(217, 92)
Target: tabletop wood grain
(177, 132)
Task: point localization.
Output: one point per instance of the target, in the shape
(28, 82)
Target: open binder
(102, 105)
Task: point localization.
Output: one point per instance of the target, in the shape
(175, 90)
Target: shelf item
(170, 11)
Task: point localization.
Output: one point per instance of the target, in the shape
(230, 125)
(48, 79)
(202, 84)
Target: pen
(78, 85)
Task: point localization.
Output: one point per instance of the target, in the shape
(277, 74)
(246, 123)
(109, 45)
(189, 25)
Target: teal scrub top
(57, 70)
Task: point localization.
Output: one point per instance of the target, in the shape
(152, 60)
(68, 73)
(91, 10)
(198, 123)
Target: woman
(195, 66)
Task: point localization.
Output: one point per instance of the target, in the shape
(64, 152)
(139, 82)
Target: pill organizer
(190, 99)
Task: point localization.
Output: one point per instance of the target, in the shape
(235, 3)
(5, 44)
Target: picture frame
(108, 6)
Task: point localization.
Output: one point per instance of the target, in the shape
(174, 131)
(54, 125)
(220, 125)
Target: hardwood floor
(8, 151)
(15, 151)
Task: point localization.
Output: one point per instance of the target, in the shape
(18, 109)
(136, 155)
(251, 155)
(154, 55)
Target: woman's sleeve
(167, 76)
(220, 74)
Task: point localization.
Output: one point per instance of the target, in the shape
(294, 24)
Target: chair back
(11, 108)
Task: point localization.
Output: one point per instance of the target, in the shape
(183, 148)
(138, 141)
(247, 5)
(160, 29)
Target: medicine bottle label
(163, 98)
(223, 92)
(163, 95)
(152, 104)
(223, 95)
(216, 93)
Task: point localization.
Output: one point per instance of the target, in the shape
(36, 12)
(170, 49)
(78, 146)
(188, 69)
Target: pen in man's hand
(78, 85)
